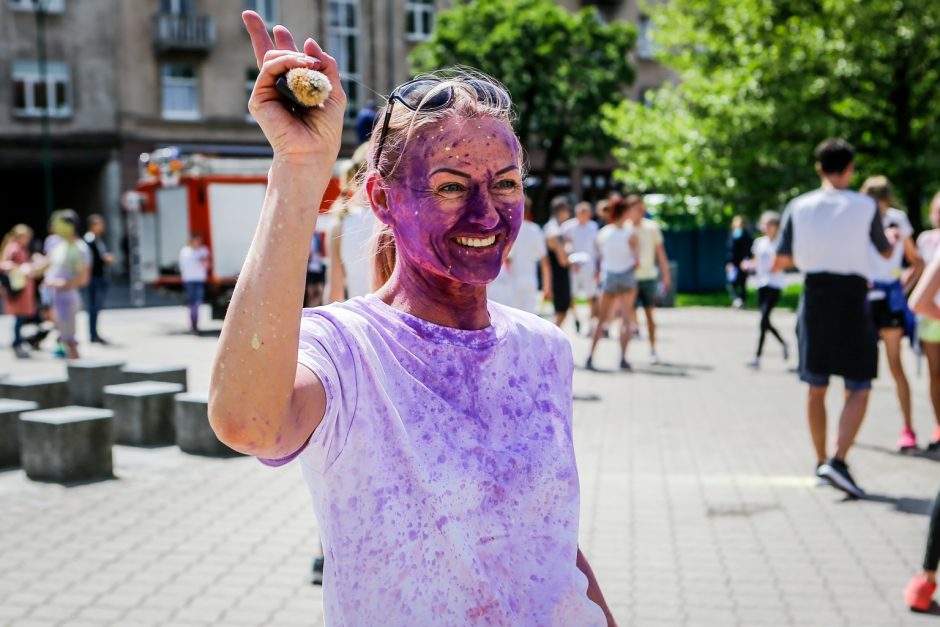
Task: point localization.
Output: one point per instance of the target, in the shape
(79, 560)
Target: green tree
(761, 83)
(561, 68)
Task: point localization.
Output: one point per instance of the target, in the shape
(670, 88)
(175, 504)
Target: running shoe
(316, 575)
(654, 358)
(589, 364)
(837, 473)
(907, 441)
(59, 351)
(20, 352)
(754, 363)
(935, 441)
(820, 480)
(919, 593)
(625, 365)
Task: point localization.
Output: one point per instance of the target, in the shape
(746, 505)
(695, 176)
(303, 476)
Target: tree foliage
(560, 67)
(761, 83)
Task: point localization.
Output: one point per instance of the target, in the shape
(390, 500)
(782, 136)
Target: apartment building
(126, 77)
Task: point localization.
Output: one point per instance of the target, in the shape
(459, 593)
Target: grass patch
(788, 300)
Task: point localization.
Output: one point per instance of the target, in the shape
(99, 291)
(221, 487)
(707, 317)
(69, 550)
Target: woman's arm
(261, 402)
(594, 590)
(337, 272)
(915, 263)
(923, 299)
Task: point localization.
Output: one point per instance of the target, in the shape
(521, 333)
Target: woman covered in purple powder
(433, 427)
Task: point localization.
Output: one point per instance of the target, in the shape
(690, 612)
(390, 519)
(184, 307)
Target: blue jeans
(95, 294)
(18, 323)
(195, 293)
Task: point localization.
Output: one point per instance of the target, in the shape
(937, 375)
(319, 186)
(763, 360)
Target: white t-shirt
(927, 244)
(887, 270)
(192, 268)
(355, 250)
(613, 244)
(517, 282)
(764, 250)
(649, 237)
(443, 473)
(581, 236)
(830, 231)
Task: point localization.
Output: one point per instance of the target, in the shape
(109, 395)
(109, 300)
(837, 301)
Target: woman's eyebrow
(451, 171)
(506, 169)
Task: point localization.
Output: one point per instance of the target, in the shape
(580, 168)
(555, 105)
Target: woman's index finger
(260, 40)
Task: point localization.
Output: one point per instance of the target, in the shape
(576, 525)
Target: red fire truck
(219, 197)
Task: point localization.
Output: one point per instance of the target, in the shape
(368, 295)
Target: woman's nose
(481, 210)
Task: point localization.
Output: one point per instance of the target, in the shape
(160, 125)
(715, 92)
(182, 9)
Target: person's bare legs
(816, 412)
(892, 341)
(932, 351)
(606, 308)
(853, 412)
(626, 322)
(651, 327)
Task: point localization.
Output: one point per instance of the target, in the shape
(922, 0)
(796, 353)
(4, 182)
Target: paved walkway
(698, 504)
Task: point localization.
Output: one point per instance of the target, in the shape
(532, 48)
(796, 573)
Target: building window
(33, 94)
(180, 92)
(644, 40)
(251, 75)
(419, 19)
(267, 9)
(49, 6)
(177, 7)
(343, 16)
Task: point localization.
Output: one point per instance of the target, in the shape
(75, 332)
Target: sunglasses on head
(420, 94)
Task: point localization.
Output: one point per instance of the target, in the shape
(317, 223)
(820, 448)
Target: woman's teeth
(476, 242)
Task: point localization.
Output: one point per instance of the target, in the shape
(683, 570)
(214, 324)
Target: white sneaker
(754, 363)
(654, 358)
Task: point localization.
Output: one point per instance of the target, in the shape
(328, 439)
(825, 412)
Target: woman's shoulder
(529, 328)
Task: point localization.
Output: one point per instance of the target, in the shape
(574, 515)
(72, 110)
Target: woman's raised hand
(306, 135)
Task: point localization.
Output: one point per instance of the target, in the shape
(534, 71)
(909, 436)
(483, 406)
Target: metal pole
(40, 8)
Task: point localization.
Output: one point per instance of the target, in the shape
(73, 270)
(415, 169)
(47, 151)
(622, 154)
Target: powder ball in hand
(306, 87)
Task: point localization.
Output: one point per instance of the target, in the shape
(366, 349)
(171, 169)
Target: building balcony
(183, 33)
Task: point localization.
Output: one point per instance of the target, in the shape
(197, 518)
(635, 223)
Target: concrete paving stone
(246, 617)
(199, 614)
(101, 615)
(9, 612)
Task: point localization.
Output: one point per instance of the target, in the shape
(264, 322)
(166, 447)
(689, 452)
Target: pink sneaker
(907, 440)
(919, 593)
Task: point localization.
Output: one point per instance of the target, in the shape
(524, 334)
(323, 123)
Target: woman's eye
(450, 188)
(507, 184)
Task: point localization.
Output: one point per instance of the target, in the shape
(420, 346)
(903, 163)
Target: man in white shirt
(648, 275)
(194, 271)
(517, 285)
(826, 234)
(580, 235)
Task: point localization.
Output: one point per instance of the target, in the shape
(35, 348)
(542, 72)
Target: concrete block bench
(10, 411)
(166, 374)
(47, 392)
(193, 433)
(66, 444)
(88, 377)
(143, 412)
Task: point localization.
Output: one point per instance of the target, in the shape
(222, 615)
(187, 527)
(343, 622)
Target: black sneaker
(589, 364)
(837, 473)
(625, 365)
(316, 576)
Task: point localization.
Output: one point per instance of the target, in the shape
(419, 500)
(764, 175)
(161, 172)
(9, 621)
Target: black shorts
(647, 295)
(316, 277)
(883, 317)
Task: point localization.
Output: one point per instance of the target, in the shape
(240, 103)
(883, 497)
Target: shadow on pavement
(586, 398)
(670, 364)
(933, 456)
(904, 504)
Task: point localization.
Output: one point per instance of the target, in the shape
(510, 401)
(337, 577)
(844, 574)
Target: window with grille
(419, 19)
(267, 9)
(343, 38)
(35, 91)
(180, 91)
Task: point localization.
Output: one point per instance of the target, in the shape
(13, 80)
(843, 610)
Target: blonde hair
(879, 188)
(404, 123)
(20, 230)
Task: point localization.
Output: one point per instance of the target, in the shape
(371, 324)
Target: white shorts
(582, 281)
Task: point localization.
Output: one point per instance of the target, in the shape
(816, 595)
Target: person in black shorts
(558, 257)
(828, 234)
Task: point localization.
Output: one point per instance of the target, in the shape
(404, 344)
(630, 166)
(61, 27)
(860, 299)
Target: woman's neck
(438, 300)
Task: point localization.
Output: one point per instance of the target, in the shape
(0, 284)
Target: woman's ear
(378, 198)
